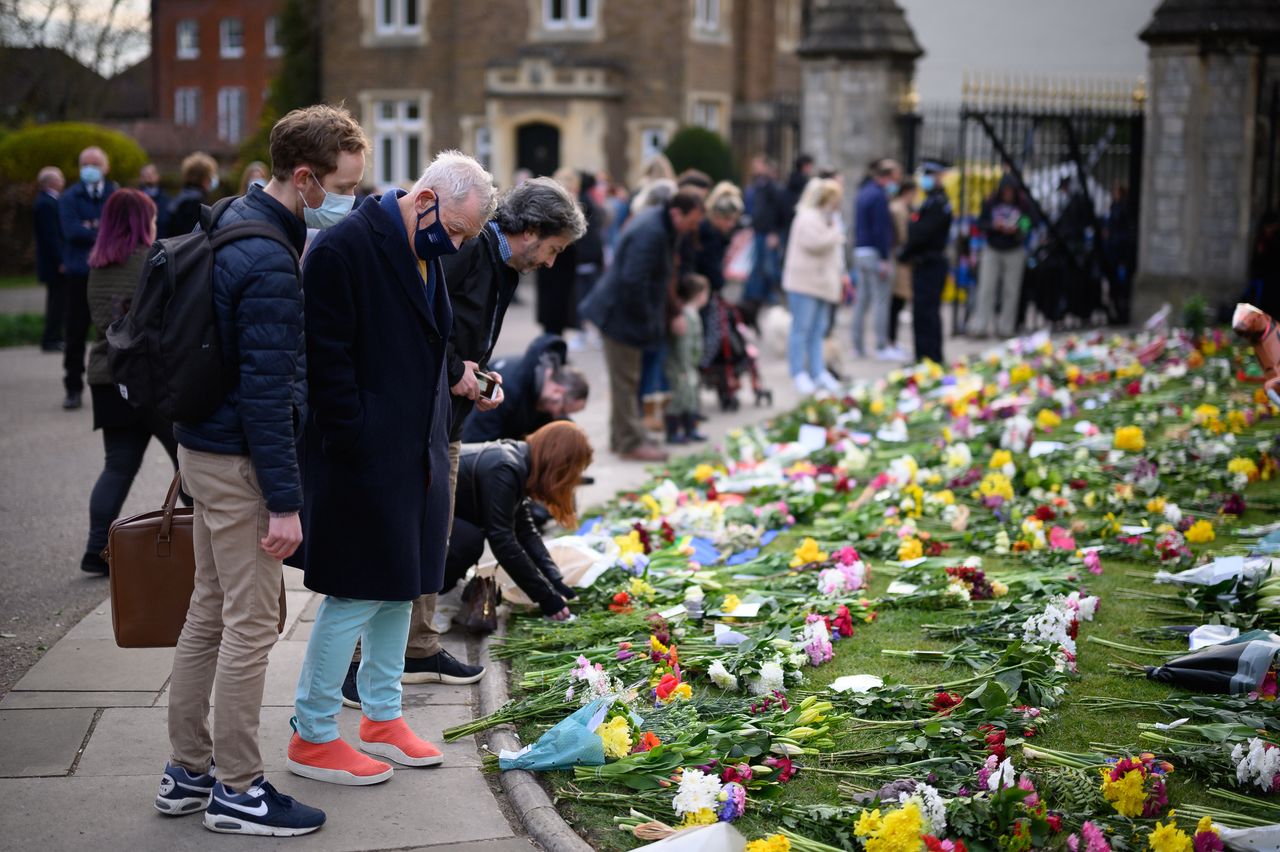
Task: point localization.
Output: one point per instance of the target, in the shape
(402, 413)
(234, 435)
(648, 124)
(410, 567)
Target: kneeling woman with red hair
(496, 481)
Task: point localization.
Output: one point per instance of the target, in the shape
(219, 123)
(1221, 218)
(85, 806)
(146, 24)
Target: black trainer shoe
(260, 810)
(351, 692)
(72, 401)
(441, 668)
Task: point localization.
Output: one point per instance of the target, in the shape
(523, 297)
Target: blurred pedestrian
(900, 208)
(768, 205)
(255, 172)
(149, 182)
(629, 305)
(813, 277)
(799, 179)
(115, 267)
(199, 178)
(1120, 242)
(557, 283)
(724, 210)
(589, 256)
(79, 212)
(873, 241)
(926, 248)
(1005, 221)
(684, 358)
(49, 267)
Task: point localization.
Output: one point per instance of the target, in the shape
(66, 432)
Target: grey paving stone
(410, 810)
(41, 742)
(36, 700)
(295, 603)
(97, 665)
(95, 625)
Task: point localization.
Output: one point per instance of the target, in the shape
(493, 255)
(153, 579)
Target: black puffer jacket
(491, 495)
(258, 301)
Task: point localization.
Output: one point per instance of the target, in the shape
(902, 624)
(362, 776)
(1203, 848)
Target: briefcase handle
(164, 537)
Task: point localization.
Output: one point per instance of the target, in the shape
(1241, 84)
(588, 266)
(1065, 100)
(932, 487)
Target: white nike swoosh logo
(260, 810)
(193, 787)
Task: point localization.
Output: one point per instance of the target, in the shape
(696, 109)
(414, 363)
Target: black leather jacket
(491, 495)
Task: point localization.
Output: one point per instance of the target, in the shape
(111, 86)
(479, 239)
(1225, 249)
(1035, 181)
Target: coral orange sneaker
(395, 741)
(335, 762)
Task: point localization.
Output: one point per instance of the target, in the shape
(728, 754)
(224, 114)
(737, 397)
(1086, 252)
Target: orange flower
(647, 741)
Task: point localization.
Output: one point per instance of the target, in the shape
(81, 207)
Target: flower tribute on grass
(866, 624)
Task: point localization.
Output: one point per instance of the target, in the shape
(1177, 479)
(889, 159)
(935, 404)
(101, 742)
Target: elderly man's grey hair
(455, 177)
(543, 207)
(48, 175)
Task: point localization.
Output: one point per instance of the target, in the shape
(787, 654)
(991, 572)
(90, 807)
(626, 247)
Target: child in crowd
(684, 358)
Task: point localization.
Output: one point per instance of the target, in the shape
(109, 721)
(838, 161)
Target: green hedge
(24, 152)
(698, 148)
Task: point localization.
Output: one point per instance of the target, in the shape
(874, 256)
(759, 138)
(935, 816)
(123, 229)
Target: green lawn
(14, 281)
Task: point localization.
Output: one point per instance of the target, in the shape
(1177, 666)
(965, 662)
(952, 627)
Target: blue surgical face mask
(213, 183)
(432, 241)
(90, 174)
(331, 211)
(928, 182)
(891, 188)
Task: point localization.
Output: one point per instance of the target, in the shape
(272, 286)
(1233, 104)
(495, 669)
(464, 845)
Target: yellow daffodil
(910, 548)
(703, 473)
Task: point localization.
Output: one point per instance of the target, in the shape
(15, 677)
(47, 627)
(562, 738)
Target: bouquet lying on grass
(922, 616)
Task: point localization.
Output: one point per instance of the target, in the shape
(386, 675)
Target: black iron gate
(1074, 153)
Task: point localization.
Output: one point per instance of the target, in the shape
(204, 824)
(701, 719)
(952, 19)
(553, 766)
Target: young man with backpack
(240, 466)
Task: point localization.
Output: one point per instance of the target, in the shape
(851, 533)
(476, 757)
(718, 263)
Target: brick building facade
(537, 84)
(212, 65)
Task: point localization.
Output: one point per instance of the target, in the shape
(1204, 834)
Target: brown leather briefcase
(153, 569)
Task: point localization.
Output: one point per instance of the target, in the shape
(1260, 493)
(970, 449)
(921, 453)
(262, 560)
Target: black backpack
(165, 352)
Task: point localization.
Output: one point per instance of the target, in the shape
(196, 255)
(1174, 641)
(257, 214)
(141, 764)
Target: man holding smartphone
(534, 222)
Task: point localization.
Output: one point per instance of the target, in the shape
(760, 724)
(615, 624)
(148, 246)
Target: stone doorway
(538, 148)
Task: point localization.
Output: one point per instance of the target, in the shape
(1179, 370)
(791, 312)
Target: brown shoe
(646, 453)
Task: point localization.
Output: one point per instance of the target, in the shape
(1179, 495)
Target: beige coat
(814, 264)
(901, 214)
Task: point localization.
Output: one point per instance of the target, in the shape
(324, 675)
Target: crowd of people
(393, 507)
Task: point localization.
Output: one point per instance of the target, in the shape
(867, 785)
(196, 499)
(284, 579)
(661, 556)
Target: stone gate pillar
(1203, 162)
(857, 60)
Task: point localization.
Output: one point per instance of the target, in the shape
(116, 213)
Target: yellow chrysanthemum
(1021, 373)
(808, 552)
(1130, 439)
(1000, 458)
(616, 736)
(642, 589)
(877, 406)
(731, 603)
(901, 831)
(1128, 795)
(909, 549)
(703, 473)
(1206, 825)
(1048, 419)
(996, 485)
(1156, 505)
(1243, 465)
(998, 589)
(1236, 421)
(655, 509)
(1201, 532)
(1205, 412)
(772, 843)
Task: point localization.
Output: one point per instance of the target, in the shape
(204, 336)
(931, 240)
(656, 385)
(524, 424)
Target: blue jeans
(809, 319)
(875, 287)
(383, 630)
(653, 373)
(766, 272)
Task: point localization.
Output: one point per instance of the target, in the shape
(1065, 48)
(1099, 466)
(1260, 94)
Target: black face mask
(433, 241)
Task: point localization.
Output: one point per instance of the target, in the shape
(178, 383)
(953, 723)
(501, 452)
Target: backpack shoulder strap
(210, 215)
(251, 228)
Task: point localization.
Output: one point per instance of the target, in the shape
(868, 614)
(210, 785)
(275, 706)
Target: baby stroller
(727, 355)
